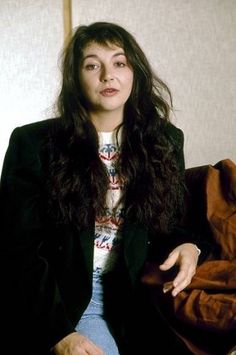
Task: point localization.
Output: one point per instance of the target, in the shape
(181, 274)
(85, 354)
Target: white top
(107, 228)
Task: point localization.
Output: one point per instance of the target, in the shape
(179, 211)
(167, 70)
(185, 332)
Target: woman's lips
(109, 92)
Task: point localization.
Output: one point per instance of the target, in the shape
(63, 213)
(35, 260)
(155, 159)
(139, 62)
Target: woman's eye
(91, 66)
(120, 64)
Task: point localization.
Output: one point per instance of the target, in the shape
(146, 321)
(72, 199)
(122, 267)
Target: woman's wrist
(197, 249)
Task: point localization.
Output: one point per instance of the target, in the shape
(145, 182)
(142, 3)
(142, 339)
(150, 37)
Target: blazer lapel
(135, 247)
(87, 244)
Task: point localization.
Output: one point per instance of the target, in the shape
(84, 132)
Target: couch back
(211, 205)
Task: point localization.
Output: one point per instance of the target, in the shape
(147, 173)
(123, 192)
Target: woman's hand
(186, 256)
(76, 344)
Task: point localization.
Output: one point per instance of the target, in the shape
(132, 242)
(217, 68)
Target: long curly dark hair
(148, 163)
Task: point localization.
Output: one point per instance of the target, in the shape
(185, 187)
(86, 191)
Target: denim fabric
(92, 324)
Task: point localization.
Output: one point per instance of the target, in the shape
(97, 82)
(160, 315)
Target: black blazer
(47, 268)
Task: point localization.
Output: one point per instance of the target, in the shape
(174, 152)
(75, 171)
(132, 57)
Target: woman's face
(106, 78)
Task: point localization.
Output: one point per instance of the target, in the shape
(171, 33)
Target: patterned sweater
(108, 227)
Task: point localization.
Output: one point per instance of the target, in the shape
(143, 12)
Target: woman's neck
(106, 121)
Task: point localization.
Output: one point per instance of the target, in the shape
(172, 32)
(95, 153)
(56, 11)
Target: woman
(88, 197)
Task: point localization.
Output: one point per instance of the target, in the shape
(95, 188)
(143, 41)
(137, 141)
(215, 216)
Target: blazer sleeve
(30, 286)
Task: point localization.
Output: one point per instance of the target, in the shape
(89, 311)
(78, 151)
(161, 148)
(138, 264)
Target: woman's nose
(106, 75)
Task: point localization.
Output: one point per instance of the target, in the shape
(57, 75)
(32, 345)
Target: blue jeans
(92, 323)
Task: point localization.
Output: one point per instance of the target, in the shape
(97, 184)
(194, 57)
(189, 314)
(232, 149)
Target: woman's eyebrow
(119, 53)
(96, 56)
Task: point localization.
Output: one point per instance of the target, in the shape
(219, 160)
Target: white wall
(191, 44)
(31, 37)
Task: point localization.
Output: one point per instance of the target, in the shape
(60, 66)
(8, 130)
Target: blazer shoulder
(175, 134)
(33, 134)
(37, 129)
(26, 143)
